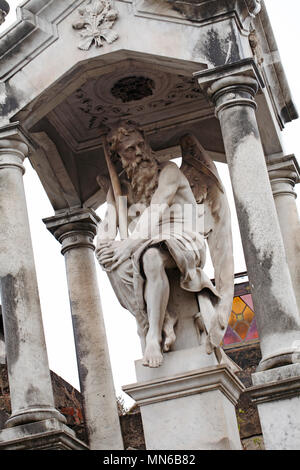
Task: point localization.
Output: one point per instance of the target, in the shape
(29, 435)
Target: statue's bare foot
(168, 329)
(152, 356)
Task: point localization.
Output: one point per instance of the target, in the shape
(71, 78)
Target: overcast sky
(121, 329)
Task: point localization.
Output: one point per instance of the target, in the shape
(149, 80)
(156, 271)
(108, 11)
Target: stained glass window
(242, 323)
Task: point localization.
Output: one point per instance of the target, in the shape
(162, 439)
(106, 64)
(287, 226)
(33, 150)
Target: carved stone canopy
(66, 102)
(163, 100)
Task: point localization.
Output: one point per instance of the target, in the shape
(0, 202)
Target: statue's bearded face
(137, 160)
(131, 148)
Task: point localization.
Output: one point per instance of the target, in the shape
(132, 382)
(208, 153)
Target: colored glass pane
(253, 333)
(231, 337)
(248, 300)
(242, 329)
(232, 320)
(248, 315)
(238, 305)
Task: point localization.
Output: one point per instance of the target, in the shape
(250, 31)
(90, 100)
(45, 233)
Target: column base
(189, 410)
(32, 415)
(276, 393)
(49, 434)
(279, 360)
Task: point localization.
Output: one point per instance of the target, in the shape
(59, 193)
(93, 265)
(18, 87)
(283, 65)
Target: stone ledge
(275, 384)
(34, 31)
(43, 435)
(192, 383)
(246, 67)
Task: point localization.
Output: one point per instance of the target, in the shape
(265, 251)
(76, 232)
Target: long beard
(143, 176)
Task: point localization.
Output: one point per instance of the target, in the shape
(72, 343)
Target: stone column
(28, 370)
(284, 173)
(75, 231)
(272, 291)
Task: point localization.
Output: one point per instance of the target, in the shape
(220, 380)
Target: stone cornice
(74, 229)
(198, 12)
(246, 67)
(275, 384)
(194, 382)
(70, 218)
(34, 30)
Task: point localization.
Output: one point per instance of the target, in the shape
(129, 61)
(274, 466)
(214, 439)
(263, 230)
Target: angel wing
(206, 185)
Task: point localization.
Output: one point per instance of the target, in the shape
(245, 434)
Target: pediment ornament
(96, 20)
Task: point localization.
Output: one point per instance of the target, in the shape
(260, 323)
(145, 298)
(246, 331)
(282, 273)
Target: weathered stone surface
(247, 358)
(28, 369)
(46, 102)
(277, 395)
(48, 434)
(284, 174)
(276, 311)
(185, 407)
(75, 231)
(132, 431)
(253, 443)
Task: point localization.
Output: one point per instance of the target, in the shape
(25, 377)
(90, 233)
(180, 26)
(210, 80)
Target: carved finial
(4, 10)
(97, 18)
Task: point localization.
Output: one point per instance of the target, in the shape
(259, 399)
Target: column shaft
(284, 174)
(273, 295)
(89, 330)
(28, 370)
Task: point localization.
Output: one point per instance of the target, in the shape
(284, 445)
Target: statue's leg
(157, 291)
(169, 331)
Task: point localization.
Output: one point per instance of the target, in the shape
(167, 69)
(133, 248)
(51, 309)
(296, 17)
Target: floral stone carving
(96, 19)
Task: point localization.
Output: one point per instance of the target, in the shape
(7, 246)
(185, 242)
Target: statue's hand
(111, 254)
(216, 332)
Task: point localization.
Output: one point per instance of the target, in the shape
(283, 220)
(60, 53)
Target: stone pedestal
(276, 393)
(75, 230)
(284, 174)
(49, 434)
(188, 403)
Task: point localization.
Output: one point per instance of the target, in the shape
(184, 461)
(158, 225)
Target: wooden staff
(121, 204)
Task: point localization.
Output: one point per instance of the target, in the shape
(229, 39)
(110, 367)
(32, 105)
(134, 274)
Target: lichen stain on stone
(270, 310)
(194, 12)
(9, 306)
(289, 112)
(9, 102)
(32, 395)
(216, 49)
(239, 134)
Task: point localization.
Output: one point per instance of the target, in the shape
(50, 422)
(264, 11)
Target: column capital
(15, 146)
(74, 228)
(283, 167)
(243, 68)
(13, 136)
(284, 174)
(232, 84)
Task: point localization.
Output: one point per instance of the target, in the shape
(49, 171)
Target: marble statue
(171, 213)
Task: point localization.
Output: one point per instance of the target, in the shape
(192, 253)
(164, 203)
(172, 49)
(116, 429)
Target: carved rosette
(96, 20)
